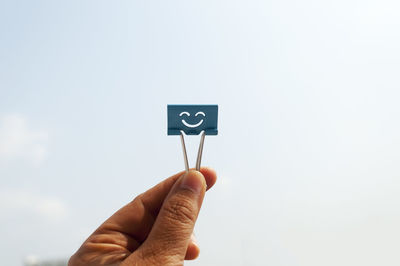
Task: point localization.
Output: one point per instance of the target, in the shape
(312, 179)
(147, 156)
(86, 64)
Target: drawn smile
(190, 125)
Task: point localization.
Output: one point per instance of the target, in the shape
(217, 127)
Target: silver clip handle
(199, 153)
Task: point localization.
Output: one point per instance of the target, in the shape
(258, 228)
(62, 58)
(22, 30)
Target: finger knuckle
(137, 198)
(180, 209)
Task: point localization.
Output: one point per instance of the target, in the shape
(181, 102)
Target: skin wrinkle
(111, 257)
(151, 253)
(107, 246)
(117, 238)
(179, 210)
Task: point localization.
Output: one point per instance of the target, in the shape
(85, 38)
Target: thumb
(171, 233)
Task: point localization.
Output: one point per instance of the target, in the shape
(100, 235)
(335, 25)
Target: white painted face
(191, 125)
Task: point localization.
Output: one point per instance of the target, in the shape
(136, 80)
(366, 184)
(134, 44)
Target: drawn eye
(200, 113)
(184, 113)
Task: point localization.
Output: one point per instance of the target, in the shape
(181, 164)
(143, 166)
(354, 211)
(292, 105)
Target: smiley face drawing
(188, 114)
(192, 119)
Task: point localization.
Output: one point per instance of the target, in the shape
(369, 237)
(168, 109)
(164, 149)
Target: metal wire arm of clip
(199, 153)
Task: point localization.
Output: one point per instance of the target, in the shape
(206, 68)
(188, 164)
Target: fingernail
(193, 181)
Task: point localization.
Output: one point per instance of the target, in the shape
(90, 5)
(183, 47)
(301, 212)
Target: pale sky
(308, 146)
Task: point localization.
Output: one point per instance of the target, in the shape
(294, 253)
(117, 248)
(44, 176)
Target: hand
(154, 229)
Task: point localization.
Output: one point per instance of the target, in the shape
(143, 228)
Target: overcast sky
(309, 135)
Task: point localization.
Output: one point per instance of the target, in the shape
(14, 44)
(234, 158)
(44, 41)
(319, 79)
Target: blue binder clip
(192, 120)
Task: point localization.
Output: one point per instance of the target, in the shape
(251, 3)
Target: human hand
(154, 229)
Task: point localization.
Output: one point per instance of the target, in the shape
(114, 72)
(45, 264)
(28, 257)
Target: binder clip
(192, 120)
